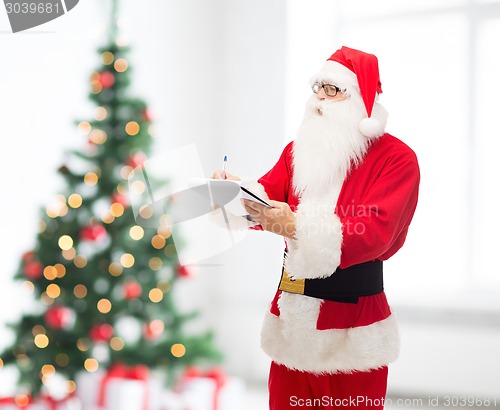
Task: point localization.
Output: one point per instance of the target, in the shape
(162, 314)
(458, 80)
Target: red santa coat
(364, 218)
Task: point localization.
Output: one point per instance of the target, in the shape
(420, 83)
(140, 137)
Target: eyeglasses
(330, 90)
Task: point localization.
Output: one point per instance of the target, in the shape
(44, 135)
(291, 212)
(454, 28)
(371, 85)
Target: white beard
(328, 144)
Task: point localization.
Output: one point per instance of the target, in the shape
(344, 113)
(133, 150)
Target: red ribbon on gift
(121, 371)
(53, 403)
(16, 400)
(216, 374)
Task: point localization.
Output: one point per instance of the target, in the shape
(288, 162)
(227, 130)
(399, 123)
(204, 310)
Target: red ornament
(136, 159)
(119, 198)
(146, 115)
(107, 79)
(28, 256)
(93, 232)
(132, 290)
(33, 269)
(154, 329)
(59, 317)
(185, 271)
(101, 332)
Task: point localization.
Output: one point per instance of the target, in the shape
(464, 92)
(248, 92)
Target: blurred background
(232, 78)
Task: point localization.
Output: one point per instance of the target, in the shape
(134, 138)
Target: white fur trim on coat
(293, 340)
(316, 251)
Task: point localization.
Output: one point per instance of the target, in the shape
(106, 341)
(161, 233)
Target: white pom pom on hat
(371, 127)
(366, 74)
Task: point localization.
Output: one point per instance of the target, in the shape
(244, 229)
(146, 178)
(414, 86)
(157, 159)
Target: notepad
(228, 194)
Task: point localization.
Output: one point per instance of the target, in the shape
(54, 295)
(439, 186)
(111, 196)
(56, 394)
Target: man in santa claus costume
(343, 195)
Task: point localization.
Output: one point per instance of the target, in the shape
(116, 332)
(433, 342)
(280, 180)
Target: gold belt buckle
(290, 285)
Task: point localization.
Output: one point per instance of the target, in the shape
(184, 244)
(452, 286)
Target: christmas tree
(103, 285)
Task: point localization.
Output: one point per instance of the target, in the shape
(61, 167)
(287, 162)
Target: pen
(224, 167)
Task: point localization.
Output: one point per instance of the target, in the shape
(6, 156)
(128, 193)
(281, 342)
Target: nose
(321, 94)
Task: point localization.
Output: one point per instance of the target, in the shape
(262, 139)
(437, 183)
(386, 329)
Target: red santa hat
(356, 72)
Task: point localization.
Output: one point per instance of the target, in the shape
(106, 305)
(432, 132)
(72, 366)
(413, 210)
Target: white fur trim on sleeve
(316, 251)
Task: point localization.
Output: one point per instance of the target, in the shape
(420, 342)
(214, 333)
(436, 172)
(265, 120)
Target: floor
(257, 400)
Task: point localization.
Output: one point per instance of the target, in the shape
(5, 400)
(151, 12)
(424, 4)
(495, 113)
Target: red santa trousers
(292, 389)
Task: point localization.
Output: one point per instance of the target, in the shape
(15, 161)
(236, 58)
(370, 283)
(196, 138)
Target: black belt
(344, 285)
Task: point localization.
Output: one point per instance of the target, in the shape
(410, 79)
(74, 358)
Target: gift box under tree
(208, 390)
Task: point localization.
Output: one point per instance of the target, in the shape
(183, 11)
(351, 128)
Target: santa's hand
(279, 219)
(221, 174)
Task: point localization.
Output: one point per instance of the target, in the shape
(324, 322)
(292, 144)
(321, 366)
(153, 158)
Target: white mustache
(321, 107)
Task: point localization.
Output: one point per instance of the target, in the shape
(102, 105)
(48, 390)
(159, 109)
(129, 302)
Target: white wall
(447, 352)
